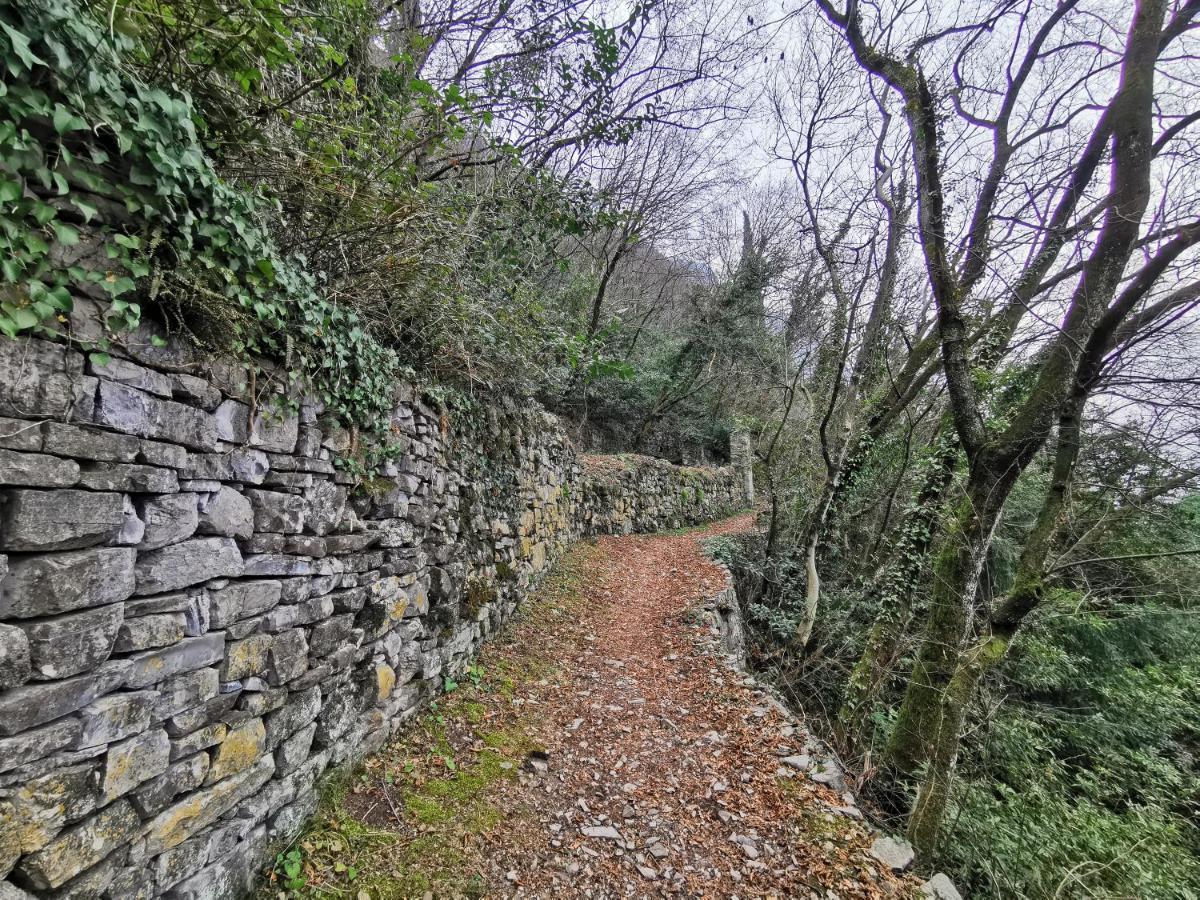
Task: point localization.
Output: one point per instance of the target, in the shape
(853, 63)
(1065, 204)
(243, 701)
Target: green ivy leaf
(20, 46)
(65, 234)
(65, 120)
(86, 209)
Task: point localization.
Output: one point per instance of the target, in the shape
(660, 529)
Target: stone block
(329, 635)
(96, 881)
(153, 606)
(152, 666)
(29, 746)
(350, 543)
(133, 761)
(199, 485)
(58, 520)
(116, 717)
(196, 391)
(69, 644)
(122, 371)
(200, 739)
(29, 705)
(246, 657)
(195, 617)
(196, 811)
(147, 632)
(275, 429)
(327, 502)
(292, 752)
(280, 619)
(299, 711)
(181, 862)
(277, 564)
(243, 746)
(18, 434)
(227, 513)
(63, 582)
(189, 562)
(289, 821)
(233, 421)
(294, 482)
(128, 477)
(288, 657)
(134, 412)
(242, 600)
(44, 805)
(169, 519)
(185, 691)
(81, 847)
(156, 453)
(180, 777)
(133, 529)
(244, 465)
(263, 543)
(37, 470)
(10, 842)
(133, 882)
(88, 443)
(15, 663)
(42, 380)
(231, 875)
(277, 512)
(260, 702)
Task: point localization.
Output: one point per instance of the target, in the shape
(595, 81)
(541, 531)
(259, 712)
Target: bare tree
(1040, 231)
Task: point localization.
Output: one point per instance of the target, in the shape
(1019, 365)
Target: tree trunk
(894, 599)
(956, 571)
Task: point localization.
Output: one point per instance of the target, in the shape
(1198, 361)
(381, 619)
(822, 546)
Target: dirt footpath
(599, 748)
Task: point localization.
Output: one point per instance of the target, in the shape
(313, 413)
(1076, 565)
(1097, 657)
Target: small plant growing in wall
(289, 868)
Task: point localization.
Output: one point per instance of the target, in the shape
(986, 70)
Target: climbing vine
(88, 151)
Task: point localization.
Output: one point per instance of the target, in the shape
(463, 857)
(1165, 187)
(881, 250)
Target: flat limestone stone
(177, 823)
(72, 643)
(81, 847)
(41, 380)
(88, 443)
(227, 513)
(153, 666)
(29, 746)
(188, 562)
(116, 717)
(243, 745)
(169, 519)
(148, 632)
(64, 582)
(15, 665)
(31, 705)
(129, 477)
(18, 434)
(59, 520)
(134, 412)
(895, 853)
(131, 762)
(37, 470)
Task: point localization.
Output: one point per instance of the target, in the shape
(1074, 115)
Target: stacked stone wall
(201, 612)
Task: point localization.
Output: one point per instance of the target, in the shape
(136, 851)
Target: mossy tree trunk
(894, 599)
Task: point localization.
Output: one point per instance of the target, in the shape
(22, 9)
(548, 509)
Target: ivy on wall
(85, 148)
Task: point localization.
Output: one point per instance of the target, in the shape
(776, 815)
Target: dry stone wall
(200, 613)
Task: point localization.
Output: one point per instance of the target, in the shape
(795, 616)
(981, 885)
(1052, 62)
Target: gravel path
(635, 762)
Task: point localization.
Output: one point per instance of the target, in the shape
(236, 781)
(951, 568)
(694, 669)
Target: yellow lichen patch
(242, 747)
(247, 657)
(385, 681)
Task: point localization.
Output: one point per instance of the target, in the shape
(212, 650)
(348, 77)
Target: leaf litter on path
(606, 750)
